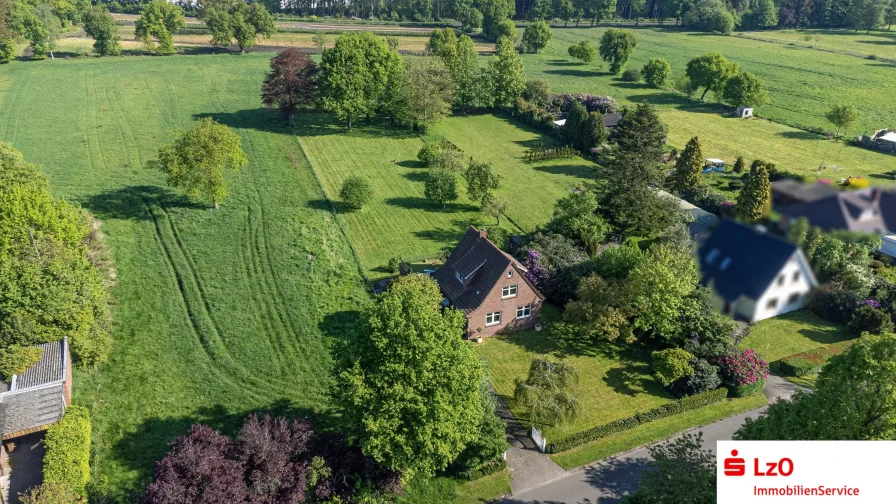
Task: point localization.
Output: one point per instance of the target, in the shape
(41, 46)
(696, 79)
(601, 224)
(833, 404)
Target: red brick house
(489, 286)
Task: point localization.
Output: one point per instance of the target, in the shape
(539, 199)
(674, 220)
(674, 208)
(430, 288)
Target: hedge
(811, 361)
(485, 469)
(747, 390)
(685, 404)
(67, 460)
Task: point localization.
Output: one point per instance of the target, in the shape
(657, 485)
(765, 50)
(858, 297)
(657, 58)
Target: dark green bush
(686, 404)
(631, 75)
(484, 470)
(834, 305)
(735, 185)
(67, 461)
(747, 390)
(428, 152)
(870, 319)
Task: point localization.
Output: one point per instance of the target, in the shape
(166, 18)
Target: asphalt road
(609, 480)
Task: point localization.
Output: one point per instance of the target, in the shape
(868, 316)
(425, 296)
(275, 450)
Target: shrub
(7, 49)
(671, 364)
(67, 461)
(738, 368)
(51, 493)
(856, 182)
(631, 75)
(747, 390)
(657, 72)
(16, 359)
(811, 361)
(393, 264)
(686, 404)
(835, 305)
(704, 378)
(541, 153)
(868, 318)
(428, 152)
(584, 51)
(355, 192)
(736, 184)
(739, 165)
(537, 91)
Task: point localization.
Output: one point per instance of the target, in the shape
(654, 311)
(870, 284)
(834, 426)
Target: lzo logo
(736, 466)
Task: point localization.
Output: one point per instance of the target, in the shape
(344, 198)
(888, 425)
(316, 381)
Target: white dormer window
(509, 291)
(509, 273)
(725, 263)
(712, 256)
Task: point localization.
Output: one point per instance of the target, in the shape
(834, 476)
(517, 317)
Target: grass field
(792, 333)
(399, 221)
(615, 381)
(880, 43)
(218, 313)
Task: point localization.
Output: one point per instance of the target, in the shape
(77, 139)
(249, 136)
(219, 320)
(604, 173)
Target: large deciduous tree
(680, 472)
(291, 84)
(463, 73)
(357, 75)
(549, 392)
(410, 372)
(481, 180)
(616, 46)
(584, 51)
(657, 72)
(688, 168)
(440, 186)
(198, 159)
(659, 285)
(744, 90)
(537, 36)
(49, 287)
(231, 20)
(99, 25)
(711, 71)
(842, 116)
(507, 74)
(426, 95)
(159, 20)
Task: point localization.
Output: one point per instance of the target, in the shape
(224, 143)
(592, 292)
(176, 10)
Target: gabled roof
(611, 120)
(35, 398)
(799, 191)
(473, 269)
(740, 260)
(854, 210)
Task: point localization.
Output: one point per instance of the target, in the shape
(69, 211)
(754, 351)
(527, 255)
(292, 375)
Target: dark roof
(473, 269)
(611, 120)
(740, 260)
(795, 190)
(35, 397)
(854, 210)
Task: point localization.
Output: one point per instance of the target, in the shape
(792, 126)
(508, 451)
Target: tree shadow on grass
(621, 84)
(570, 72)
(578, 171)
(343, 326)
(800, 135)
(543, 140)
(131, 203)
(416, 176)
(440, 235)
(631, 380)
(615, 478)
(410, 163)
(417, 203)
(326, 205)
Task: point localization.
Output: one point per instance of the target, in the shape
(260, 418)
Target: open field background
(878, 43)
(399, 221)
(218, 313)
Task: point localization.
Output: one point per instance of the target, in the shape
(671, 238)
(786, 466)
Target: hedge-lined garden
(810, 362)
(67, 461)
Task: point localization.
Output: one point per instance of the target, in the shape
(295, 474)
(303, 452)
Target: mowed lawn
(614, 381)
(878, 43)
(790, 333)
(218, 313)
(399, 221)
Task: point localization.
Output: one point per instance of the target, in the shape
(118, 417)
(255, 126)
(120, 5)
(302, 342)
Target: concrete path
(528, 466)
(608, 480)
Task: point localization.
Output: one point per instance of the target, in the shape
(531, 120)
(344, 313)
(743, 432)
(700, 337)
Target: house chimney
(483, 233)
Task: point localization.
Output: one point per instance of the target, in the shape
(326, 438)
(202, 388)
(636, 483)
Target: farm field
(879, 43)
(218, 313)
(792, 333)
(802, 83)
(399, 221)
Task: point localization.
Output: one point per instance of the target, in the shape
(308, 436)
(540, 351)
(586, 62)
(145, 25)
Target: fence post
(540, 441)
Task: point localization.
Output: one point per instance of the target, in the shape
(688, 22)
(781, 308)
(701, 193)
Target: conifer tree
(688, 168)
(739, 165)
(755, 197)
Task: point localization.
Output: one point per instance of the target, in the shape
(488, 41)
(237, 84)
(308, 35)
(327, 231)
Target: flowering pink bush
(742, 367)
(870, 302)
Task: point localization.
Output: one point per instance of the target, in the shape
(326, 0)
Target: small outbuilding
(744, 112)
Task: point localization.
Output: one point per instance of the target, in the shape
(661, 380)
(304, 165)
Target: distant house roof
(890, 136)
(864, 210)
(35, 398)
(793, 191)
(473, 269)
(738, 260)
(611, 120)
(559, 122)
(715, 161)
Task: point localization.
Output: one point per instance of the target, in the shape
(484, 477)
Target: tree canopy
(508, 77)
(410, 372)
(291, 84)
(159, 20)
(230, 20)
(688, 168)
(584, 51)
(842, 116)
(744, 90)
(711, 71)
(616, 46)
(754, 200)
(657, 72)
(198, 159)
(99, 25)
(549, 392)
(680, 471)
(537, 36)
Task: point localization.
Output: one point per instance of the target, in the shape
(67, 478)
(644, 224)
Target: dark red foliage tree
(273, 454)
(291, 84)
(198, 470)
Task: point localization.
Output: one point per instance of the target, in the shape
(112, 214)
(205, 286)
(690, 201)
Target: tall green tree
(594, 133)
(507, 73)
(409, 371)
(426, 95)
(27, 23)
(711, 71)
(49, 286)
(537, 36)
(51, 24)
(584, 51)
(867, 14)
(680, 471)
(660, 285)
(616, 46)
(481, 181)
(159, 20)
(754, 200)
(463, 73)
(657, 72)
(853, 399)
(493, 12)
(598, 10)
(230, 20)
(549, 392)
(198, 159)
(842, 116)
(890, 16)
(440, 186)
(575, 123)
(744, 90)
(99, 25)
(688, 168)
(357, 74)
(762, 14)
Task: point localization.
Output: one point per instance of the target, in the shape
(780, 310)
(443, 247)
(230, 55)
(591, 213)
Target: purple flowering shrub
(535, 271)
(870, 302)
(563, 102)
(738, 368)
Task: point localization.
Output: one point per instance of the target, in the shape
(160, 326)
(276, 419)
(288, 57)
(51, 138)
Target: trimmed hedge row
(811, 361)
(484, 470)
(685, 404)
(67, 461)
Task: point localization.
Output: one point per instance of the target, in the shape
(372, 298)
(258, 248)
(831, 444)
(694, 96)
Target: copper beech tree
(291, 83)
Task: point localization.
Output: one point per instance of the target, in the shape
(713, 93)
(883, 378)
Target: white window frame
(492, 317)
(527, 311)
(771, 304)
(514, 287)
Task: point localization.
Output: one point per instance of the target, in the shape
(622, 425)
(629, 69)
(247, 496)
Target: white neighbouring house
(753, 275)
